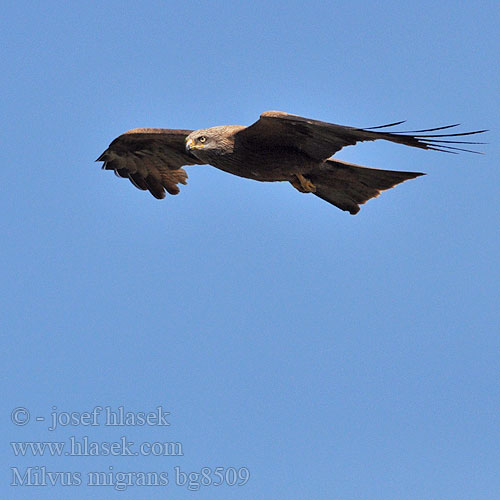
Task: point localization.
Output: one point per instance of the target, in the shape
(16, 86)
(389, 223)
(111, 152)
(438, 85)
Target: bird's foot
(303, 185)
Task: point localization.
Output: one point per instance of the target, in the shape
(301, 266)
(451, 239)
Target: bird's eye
(202, 139)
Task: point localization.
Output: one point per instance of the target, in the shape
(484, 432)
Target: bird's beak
(191, 145)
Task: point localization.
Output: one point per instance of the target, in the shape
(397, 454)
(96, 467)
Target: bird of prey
(277, 147)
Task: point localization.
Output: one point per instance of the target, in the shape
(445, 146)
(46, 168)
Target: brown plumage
(277, 147)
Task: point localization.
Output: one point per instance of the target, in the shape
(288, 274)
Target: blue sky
(334, 357)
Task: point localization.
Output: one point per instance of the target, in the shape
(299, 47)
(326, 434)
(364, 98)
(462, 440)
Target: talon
(306, 186)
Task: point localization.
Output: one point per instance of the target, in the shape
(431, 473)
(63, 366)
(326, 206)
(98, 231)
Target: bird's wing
(320, 140)
(151, 159)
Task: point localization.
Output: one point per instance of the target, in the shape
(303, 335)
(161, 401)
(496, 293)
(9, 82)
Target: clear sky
(331, 356)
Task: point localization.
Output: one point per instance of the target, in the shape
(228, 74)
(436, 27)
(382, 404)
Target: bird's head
(201, 139)
(209, 142)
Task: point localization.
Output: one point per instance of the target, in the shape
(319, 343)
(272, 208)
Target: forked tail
(347, 186)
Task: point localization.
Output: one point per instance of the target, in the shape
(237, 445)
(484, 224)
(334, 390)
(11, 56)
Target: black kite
(277, 147)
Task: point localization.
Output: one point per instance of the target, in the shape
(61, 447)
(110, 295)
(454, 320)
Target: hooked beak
(191, 145)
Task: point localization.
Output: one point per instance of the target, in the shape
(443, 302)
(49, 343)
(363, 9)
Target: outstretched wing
(320, 140)
(151, 158)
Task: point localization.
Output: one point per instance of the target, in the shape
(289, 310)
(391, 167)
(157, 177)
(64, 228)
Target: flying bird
(277, 147)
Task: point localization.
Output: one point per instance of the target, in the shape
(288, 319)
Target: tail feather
(347, 186)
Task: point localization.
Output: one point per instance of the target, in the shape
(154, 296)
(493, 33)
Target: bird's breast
(266, 166)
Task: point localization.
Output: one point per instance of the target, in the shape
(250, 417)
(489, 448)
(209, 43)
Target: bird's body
(266, 164)
(278, 147)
